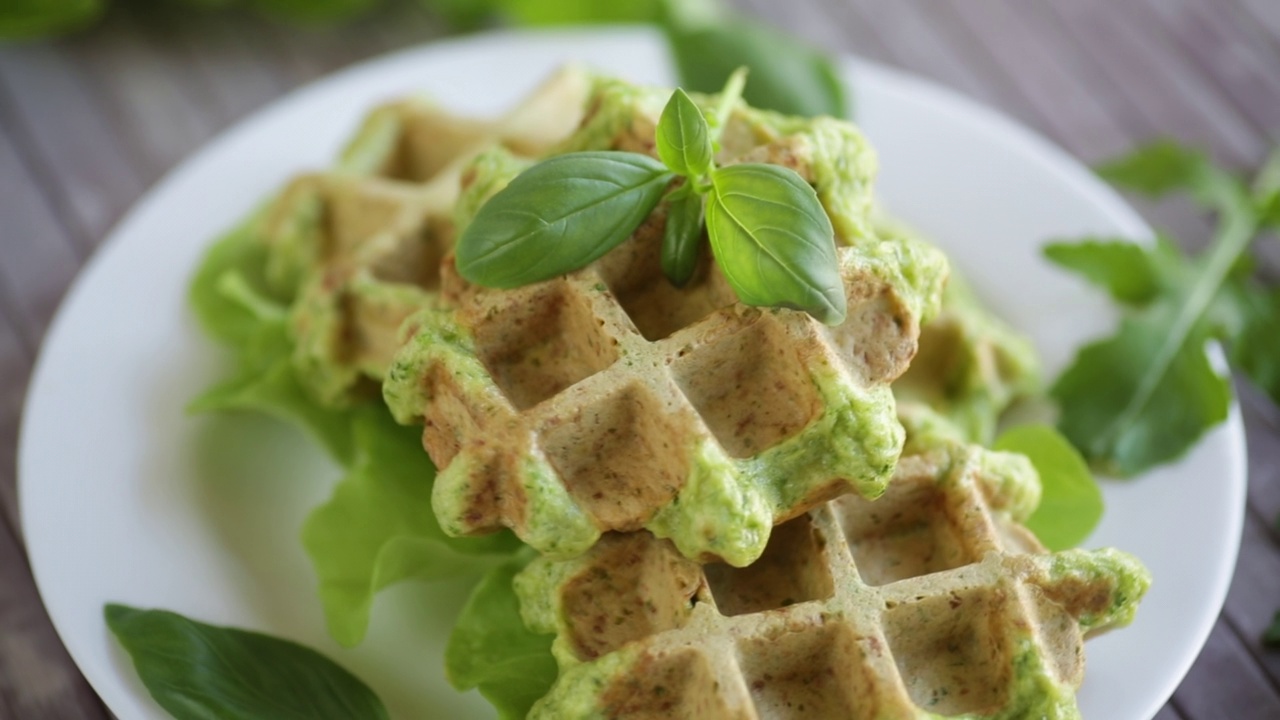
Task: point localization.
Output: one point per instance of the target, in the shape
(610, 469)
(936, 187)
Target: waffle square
(358, 249)
(609, 400)
(930, 601)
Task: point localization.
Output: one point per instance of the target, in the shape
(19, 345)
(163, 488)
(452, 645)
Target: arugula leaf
(786, 75)
(1144, 396)
(558, 216)
(1070, 501)
(1256, 350)
(684, 139)
(682, 236)
(378, 527)
(774, 241)
(492, 650)
(1164, 166)
(1130, 272)
(32, 18)
(200, 672)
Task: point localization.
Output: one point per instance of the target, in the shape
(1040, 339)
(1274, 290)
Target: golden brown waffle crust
(932, 601)
(607, 400)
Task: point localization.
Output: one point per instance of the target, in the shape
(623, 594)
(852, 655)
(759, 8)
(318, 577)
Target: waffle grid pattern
(360, 246)
(608, 400)
(363, 254)
(930, 602)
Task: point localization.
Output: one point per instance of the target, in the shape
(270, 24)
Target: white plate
(125, 498)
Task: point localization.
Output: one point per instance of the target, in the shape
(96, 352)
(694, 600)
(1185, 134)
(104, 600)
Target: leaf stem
(729, 97)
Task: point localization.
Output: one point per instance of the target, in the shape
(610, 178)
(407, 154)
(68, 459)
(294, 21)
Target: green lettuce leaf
(268, 384)
(229, 294)
(378, 527)
(492, 650)
(1070, 500)
(234, 304)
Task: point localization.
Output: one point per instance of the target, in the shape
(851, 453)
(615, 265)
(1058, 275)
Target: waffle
(931, 601)
(358, 249)
(608, 400)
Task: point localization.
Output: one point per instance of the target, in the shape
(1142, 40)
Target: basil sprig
(768, 231)
(197, 671)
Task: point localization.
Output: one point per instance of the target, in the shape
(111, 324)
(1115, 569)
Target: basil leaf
(682, 236)
(558, 216)
(1127, 270)
(684, 140)
(787, 75)
(1070, 501)
(774, 241)
(204, 672)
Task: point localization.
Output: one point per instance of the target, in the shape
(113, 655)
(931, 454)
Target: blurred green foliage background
(707, 40)
(37, 18)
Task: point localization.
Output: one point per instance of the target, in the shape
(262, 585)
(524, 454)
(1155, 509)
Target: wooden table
(87, 123)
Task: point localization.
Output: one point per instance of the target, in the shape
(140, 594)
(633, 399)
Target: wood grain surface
(90, 121)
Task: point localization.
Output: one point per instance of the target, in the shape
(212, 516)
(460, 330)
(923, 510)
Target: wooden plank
(38, 261)
(1159, 79)
(923, 41)
(1263, 439)
(1102, 37)
(308, 52)
(1255, 592)
(88, 178)
(15, 368)
(221, 52)
(1178, 216)
(1234, 56)
(38, 680)
(1226, 682)
(1069, 109)
(404, 25)
(804, 20)
(1266, 13)
(158, 113)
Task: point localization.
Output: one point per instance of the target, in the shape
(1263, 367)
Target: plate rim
(1047, 153)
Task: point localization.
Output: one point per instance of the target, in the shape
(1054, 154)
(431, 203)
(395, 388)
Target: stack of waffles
(728, 525)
